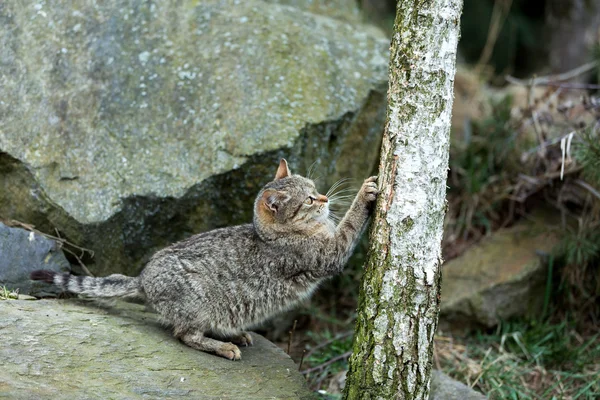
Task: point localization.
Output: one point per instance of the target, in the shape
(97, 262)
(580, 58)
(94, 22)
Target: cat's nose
(323, 198)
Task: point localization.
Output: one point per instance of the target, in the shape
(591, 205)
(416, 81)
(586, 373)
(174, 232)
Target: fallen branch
(589, 188)
(552, 80)
(62, 243)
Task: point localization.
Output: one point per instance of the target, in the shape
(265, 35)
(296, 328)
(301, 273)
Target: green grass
(327, 346)
(587, 153)
(7, 294)
(526, 360)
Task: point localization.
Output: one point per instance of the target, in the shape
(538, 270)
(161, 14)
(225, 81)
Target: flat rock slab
(501, 277)
(78, 349)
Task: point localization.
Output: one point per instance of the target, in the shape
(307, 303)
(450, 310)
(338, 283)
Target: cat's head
(290, 203)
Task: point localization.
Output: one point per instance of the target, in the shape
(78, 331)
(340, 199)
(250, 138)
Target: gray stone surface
(21, 252)
(345, 10)
(501, 277)
(75, 349)
(131, 124)
(445, 388)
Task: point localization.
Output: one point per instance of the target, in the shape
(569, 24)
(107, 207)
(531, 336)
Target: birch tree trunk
(400, 293)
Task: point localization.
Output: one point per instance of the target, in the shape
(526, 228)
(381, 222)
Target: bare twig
(62, 243)
(562, 85)
(547, 143)
(327, 363)
(302, 359)
(31, 228)
(554, 175)
(536, 124)
(589, 188)
(81, 264)
(552, 79)
(291, 336)
(499, 14)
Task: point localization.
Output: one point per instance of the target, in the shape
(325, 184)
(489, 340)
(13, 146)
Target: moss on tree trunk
(399, 298)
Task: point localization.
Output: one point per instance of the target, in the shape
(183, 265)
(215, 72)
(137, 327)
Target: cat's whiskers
(337, 204)
(340, 199)
(311, 170)
(342, 195)
(334, 218)
(342, 190)
(331, 190)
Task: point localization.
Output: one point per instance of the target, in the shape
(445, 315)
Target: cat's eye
(310, 200)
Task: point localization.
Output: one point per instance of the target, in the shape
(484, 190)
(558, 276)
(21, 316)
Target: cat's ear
(273, 199)
(283, 171)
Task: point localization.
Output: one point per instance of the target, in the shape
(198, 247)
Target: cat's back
(228, 243)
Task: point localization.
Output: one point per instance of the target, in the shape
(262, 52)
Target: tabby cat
(212, 286)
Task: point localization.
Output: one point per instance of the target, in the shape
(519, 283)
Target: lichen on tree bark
(399, 298)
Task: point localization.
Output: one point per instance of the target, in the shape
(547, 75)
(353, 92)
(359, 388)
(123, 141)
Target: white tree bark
(399, 299)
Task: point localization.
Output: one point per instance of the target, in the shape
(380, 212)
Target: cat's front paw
(369, 190)
(230, 351)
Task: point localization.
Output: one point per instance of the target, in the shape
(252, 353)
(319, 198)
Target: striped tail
(115, 285)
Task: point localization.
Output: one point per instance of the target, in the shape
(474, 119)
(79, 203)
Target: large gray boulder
(75, 349)
(501, 277)
(23, 251)
(129, 124)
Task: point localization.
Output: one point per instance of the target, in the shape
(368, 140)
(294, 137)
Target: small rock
(445, 388)
(25, 297)
(501, 277)
(21, 252)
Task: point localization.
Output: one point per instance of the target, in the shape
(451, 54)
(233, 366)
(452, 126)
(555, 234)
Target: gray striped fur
(115, 285)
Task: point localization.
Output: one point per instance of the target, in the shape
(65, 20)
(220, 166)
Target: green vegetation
(328, 356)
(480, 161)
(587, 153)
(526, 360)
(7, 294)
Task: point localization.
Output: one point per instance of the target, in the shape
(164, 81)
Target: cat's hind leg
(197, 340)
(242, 339)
